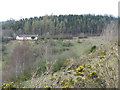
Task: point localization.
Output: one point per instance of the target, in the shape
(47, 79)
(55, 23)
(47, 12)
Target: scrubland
(77, 63)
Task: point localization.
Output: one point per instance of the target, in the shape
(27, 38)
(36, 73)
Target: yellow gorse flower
(67, 86)
(9, 85)
(80, 68)
(81, 73)
(79, 77)
(53, 78)
(93, 71)
(77, 69)
(70, 78)
(90, 74)
(83, 65)
(88, 66)
(61, 82)
(101, 57)
(48, 86)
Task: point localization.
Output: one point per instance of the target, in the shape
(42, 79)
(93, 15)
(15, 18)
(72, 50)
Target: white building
(27, 37)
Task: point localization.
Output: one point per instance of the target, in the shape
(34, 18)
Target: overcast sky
(17, 9)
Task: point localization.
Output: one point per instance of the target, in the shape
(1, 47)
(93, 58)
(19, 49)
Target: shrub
(7, 86)
(60, 50)
(57, 66)
(119, 43)
(93, 48)
(5, 40)
(21, 77)
(36, 42)
(78, 41)
(24, 77)
(67, 44)
(65, 49)
(41, 66)
(52, 43)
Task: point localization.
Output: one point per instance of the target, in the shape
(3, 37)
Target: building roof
(28, 35)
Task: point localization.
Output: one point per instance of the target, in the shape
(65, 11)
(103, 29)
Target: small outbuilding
(27, 37)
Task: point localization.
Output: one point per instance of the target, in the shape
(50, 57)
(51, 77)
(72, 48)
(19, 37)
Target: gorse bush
(57, 66)
(93, 48)
(7, 86)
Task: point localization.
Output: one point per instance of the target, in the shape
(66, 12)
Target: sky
(18, 9)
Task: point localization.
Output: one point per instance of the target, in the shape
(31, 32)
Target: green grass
(82, 48)
(40, 65)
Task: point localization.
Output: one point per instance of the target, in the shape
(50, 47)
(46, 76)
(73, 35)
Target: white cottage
(27, 37)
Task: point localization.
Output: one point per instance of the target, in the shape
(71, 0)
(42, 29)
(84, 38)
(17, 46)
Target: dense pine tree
(60, 25)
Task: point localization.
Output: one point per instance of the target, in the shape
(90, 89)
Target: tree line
(54, 25)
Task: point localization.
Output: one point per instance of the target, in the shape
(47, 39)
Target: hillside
(95, 68)
(55, 62)
(98, 70)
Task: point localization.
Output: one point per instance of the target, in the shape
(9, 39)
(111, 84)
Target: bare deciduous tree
(21, 60)
(110, 33)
